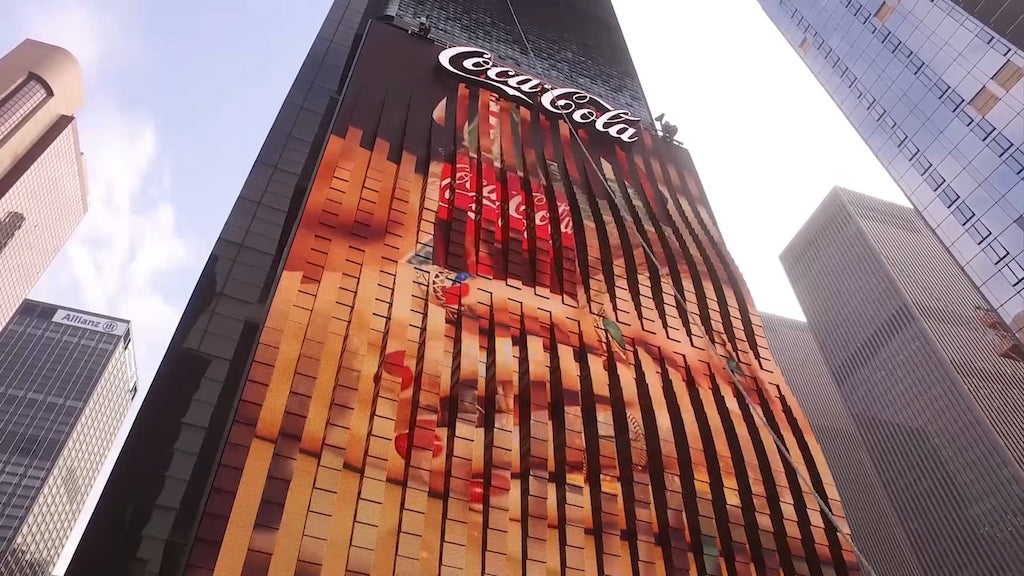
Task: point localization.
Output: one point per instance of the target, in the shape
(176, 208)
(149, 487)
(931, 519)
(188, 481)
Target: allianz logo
(108, 326)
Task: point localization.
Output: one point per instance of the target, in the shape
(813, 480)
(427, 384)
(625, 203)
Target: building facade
(939, 98)
(1004, 17)
(874, 523)
(67, 378)
(42, 176)
(434, 341)
(938, 412)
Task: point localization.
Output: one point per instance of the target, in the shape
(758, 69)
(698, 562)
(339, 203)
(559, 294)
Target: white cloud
(129, 240)
(95, 32)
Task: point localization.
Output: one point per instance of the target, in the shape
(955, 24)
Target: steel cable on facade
(733, 363)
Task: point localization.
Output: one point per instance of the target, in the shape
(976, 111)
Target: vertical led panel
(472, 365)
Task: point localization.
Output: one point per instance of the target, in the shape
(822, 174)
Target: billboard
(471, 364)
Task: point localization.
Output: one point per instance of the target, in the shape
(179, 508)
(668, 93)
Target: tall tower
(939, 414)
(67, 378)
(440, 332)
(939, 98)
(42, 176)
(875, 525)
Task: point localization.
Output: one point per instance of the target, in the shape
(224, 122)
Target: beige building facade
(43, 192)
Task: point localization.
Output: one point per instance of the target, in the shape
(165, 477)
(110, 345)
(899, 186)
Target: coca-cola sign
(458, 193)
(578, 106)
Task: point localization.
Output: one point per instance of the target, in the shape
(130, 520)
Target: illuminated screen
(471, 365)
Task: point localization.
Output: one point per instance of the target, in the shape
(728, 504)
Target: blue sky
(179, 96)
(178, 99)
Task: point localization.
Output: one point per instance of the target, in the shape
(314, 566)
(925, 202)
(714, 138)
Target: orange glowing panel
(473, 365)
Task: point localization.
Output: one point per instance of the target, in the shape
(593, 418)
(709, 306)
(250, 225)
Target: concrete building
(939, 98)
(67, 378)
(43, 192)
(874, 524)
(376, 374)
(939, 414)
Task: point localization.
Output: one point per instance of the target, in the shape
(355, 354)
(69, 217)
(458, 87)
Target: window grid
(17, 105)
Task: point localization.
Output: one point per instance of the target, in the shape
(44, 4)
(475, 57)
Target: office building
(67, 378)
(939, 414)
(42, 176)
(874, 524)
(939, 98)
(429, 339)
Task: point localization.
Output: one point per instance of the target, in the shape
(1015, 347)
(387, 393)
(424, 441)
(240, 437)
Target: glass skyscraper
(67, 378)
(470, 314)
(939, 98)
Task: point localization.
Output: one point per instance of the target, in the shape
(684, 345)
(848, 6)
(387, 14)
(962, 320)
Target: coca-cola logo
(578, 106)
(457, 192)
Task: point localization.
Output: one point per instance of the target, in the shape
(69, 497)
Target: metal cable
(733, 363)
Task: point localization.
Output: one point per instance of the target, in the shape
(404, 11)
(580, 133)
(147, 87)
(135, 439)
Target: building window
(922, 165)
(909, 150)
(983, 129)
(999, 144)
(1008, 76)
(805, 45)
(9, 225)
(939, 88)
(935, 180)
(948, 196)
(1016, 161)
(984, 101)
(979, 232)
(996, 251)
(1014, 272)
(915, 63)
(22, 101)
(953, 101)
(963, 214)
(884, 11)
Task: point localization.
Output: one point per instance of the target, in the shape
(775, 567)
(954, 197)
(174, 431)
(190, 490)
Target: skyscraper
(42, 176)
(940, 416)
(939, 98)
(67, 378)
(874, 524)
(432, 337)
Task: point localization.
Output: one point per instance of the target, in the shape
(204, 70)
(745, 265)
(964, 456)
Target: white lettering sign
(97, 323)
(581, 108)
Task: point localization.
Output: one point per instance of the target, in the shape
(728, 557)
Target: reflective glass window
(20, 102)
(963, 214)
(995, 251)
